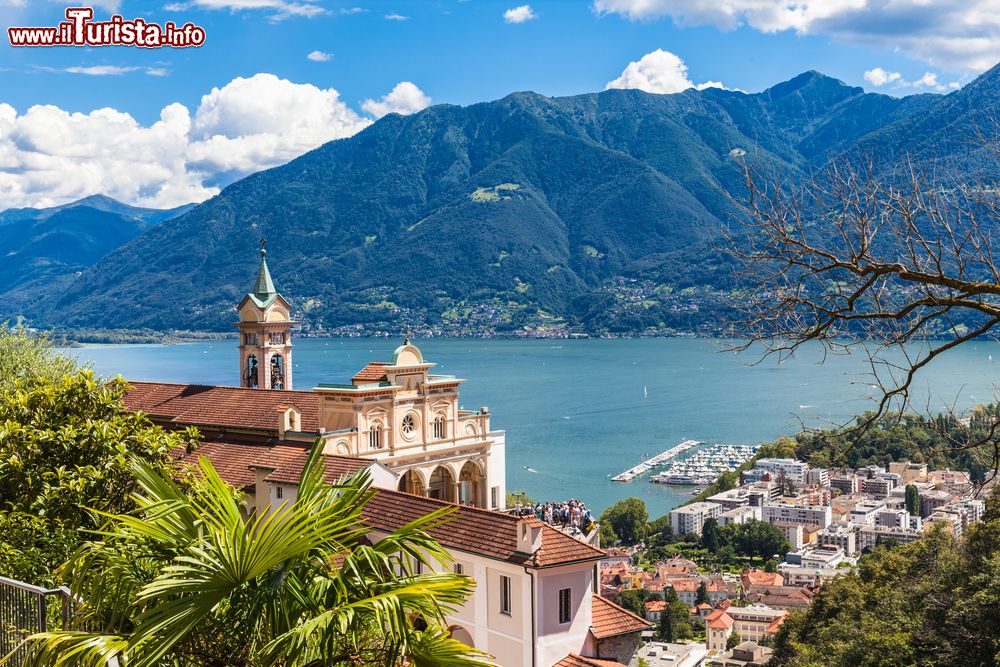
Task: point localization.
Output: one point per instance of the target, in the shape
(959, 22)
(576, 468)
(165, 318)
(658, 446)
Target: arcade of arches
(440, 484)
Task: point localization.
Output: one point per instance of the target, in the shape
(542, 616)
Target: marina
(657, 460)
(705, 466)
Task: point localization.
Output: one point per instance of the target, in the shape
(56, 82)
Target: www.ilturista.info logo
(79, 29)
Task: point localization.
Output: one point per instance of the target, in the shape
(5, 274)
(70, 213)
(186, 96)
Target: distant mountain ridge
(597, 212)
(44, 249)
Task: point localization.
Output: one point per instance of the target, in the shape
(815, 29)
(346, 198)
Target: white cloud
(280, 8)
(102, 70)
(319, 56)
(658, 72)
(404, 99)
(956, 34)
(396, 17)
(930, 81)
(879, 77)
(519, 14)
(352, 10)
(50, 156)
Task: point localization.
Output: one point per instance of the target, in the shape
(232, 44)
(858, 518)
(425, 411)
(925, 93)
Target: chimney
(529, 536)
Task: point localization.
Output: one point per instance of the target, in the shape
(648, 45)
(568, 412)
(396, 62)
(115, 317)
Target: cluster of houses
(753, 604)
(830, 516)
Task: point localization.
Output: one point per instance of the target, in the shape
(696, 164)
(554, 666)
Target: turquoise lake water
(576, 412)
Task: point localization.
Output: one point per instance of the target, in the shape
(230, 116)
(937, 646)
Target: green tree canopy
(26, 358)
(755, 539)
(701, 596)
(934, 602)
(64, 450)
(912, 499)
(710, 537)
(628, 518)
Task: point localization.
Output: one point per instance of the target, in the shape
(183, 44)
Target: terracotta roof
(274, 457)
(719, 620)
(655, 605)
(230, 459)
(773, 626)
(336, 468)
(473, 530)
(373, 372)
(608, 619)
(574, 660)
(220, 406)
(761, 578)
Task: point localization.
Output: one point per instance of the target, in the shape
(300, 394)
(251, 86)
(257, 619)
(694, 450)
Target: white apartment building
(690, 518)
(818, 476)
(803, 514)
(840, 535)
(871, 536)
(739, 515)
(790, 468)
(865, 512)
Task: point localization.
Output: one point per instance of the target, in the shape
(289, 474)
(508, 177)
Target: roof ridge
(283, 392)
(619, 607)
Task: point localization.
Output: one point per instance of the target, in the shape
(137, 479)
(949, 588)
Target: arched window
(440, 427)
(277, 372)
(250, 373)
(375, 436)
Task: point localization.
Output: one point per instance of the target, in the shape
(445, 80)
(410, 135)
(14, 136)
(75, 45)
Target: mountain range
(598, 212)
(45, 249)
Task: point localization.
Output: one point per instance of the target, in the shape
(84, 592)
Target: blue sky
(450, 51)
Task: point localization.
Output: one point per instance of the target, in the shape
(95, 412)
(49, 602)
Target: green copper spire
(264, 287)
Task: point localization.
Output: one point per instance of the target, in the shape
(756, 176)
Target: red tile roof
(574, 660)
(608, 619)
(719, 620)
(761, 578)
(473, 530)
(230, 459)
(220, 406)
(336, 468)
(655, 605)
(373, 372)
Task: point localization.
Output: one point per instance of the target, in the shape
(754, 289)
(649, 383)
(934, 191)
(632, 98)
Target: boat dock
(659, 459)
(706, 465)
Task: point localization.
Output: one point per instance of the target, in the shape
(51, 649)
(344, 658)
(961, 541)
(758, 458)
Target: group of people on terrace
(572, 515)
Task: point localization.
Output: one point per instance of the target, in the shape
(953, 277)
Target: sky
(276, 78)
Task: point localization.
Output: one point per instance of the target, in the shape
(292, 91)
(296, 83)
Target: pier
(659, 459)
(705, 466)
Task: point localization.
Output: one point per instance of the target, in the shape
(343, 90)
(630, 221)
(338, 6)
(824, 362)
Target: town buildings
(745, 654)
(690, 519)
(753, 623)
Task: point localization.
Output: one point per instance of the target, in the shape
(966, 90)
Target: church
(536, 600)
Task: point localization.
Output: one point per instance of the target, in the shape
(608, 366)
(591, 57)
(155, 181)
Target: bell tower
(265, 334)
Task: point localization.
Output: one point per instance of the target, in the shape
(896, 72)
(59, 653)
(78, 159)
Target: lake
(580, 411)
